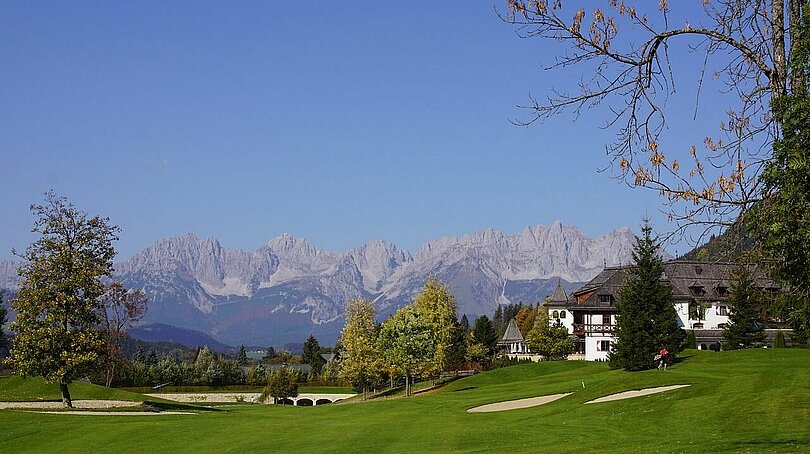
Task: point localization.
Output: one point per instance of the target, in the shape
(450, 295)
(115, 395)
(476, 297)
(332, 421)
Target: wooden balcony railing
(587, 328)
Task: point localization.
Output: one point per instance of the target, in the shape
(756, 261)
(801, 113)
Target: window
(562, 314)
(606, 319)
(555, 314)
(604, 346)
(722, 311)
(606, 298)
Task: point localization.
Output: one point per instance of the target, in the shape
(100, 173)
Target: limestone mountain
(287, 289)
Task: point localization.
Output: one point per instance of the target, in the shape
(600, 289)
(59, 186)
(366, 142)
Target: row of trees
(426, 338)
(421, 339)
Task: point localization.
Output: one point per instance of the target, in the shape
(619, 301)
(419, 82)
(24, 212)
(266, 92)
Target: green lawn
(745, 401)
(16, 389)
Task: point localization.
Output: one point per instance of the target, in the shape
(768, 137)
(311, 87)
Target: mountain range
(288, 289)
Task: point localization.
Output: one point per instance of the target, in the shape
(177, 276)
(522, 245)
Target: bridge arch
(286, 402)
(322, 401)
(304, 402)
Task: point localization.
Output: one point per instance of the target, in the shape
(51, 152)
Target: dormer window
(696, 288)
(606, 298)
(721, 288)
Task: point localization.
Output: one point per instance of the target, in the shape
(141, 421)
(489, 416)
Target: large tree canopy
(361, 362)
(59, 302)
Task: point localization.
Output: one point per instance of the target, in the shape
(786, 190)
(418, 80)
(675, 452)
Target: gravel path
(515, 404)
(115, 413)
(635, 393)
(83, 404)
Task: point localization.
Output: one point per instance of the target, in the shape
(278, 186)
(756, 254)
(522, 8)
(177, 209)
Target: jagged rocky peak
(288, 245)
(9, 277)
(376, 260)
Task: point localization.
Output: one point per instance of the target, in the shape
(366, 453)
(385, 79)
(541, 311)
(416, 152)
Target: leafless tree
(626, 57)
(121, 309)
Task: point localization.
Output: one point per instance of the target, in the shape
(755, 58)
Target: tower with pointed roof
(512, 342)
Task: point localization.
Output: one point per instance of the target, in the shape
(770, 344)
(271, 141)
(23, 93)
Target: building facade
(700, 293)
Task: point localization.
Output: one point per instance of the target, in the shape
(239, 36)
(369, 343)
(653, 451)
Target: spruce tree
(241, 357)
(484, 333)
(312, 355)
(464, 324)
(744, 329)
(647, 321)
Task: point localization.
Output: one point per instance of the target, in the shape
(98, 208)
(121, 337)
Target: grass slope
(740, 401)
(16, 389)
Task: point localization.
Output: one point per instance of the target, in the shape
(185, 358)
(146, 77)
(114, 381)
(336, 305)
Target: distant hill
(728, 246)
(161, 332)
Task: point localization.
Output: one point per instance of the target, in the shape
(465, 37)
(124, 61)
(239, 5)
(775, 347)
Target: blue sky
(339, 122)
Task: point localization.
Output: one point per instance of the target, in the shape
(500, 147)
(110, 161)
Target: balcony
(587, 328)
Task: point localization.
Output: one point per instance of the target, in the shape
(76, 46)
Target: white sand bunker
(635, 393)
(515, 404)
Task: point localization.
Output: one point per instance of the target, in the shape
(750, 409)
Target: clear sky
(339, 122)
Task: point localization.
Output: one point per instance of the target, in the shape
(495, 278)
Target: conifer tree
(464, 323)
(744, 329)
(484, 333)
(312, 354)
(241, 357)
(647, 321)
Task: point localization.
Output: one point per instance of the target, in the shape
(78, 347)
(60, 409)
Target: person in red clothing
(661, 357)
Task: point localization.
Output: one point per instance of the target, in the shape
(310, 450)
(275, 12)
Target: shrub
(690, 342)
(779, 340)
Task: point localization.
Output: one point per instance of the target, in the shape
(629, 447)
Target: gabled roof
(681, 275)
(608, 282)
(559, 297)
(512, 333)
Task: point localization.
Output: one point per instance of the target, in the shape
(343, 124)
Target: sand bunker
(635, 393)
(515, 404)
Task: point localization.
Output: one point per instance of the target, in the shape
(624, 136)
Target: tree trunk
(779, 77)
(794, 22)
(110, 373)
(66, 401)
